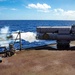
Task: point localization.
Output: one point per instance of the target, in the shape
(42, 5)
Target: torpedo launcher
(62, 34)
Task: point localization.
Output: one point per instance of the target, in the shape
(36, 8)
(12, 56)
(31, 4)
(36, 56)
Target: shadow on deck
(51, 47)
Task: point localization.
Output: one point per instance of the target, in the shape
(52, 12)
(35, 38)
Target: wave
(27, 36)
(3, 34)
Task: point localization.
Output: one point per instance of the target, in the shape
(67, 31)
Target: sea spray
(28, 39)
(4, 30)
(3, 34)
(27, 36)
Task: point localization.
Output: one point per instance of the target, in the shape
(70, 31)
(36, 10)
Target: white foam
(27, 36)
(3, 34)
(4, 30)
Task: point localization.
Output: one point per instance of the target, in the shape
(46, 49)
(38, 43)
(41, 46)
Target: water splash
(27, 36)
(4, 30)
(3, 34)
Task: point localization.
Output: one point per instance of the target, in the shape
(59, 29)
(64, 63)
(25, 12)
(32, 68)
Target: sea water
(28, 29)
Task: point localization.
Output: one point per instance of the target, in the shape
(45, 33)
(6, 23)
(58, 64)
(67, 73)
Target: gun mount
(62, 34)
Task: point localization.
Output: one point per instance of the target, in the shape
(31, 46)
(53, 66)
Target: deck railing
(6, 37)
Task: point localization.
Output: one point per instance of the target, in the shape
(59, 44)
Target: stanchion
(20, 41)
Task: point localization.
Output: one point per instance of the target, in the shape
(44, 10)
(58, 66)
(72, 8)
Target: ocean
(28, 29)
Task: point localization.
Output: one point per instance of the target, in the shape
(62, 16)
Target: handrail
(18, 37)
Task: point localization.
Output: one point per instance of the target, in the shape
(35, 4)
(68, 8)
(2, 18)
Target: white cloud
(59, 13)
(40, 7)
(13, 9)
(68, 14)
(59, 10)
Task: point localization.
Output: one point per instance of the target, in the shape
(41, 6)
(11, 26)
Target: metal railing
(5, 37)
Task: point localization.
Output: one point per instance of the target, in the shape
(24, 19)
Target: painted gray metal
(56, 32)
(52, 29)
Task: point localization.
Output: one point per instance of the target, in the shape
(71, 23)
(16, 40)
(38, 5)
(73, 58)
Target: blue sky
(37, 9)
